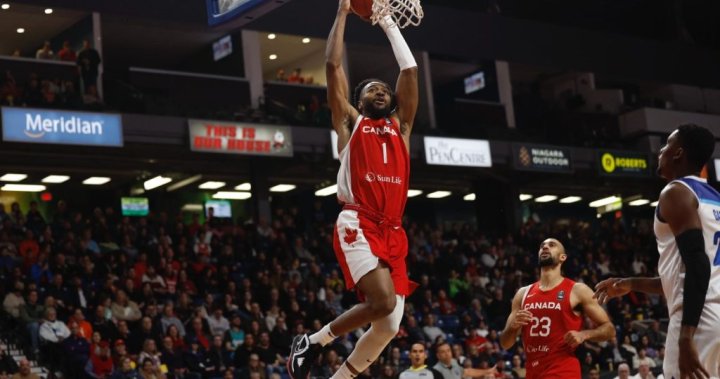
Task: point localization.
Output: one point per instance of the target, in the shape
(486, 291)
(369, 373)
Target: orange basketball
(362, 8)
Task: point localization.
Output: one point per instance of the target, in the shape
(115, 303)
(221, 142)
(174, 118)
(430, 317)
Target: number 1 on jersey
(384, 152)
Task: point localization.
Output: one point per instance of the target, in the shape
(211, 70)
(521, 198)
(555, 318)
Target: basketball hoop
(403, 12)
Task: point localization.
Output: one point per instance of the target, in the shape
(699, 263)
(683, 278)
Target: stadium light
(96, 180)
(183, 183)
(525, 196)
(413, 193)
(469, 197)
(327, 191)
(232, 195)
(282, 188)
(570, 199)
(192, 208)
(438, 194)
(604, 201)
(638, 202)
(56, 179)
(212, 185)
(654, 203)
(13, 177)
(545, 198)
(156, 182)
(244, 187)
(23, 188)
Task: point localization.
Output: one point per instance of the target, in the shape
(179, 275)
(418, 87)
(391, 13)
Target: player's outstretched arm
(604, 329)
(406, 88)
(479, 372)
(343, 113)
(678, 207)
(516, 320)
(617, 287)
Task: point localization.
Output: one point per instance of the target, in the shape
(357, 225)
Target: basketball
(362, 8)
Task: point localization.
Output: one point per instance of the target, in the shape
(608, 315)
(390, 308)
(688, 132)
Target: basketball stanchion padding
(403, 12)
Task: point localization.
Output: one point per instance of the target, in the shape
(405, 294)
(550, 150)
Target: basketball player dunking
(687, 230)
(549, 313)
(369, 242)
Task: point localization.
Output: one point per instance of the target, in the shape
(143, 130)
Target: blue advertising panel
(61, 127)
(220, 11)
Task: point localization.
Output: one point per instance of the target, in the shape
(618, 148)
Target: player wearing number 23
(549, 314)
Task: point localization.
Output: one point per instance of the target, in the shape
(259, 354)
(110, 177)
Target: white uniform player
(687, 228)
(672, 276)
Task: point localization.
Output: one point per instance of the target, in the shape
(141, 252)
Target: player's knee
(383, 305)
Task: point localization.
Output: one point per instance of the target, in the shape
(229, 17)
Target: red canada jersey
(375, 167)
(548, 356)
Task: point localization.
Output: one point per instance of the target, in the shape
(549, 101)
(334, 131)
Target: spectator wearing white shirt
(45, 52)
(218, 323)
(53, 330)
(641, 359)
(623, 371)
(432, 332)
(169, 318)
(14, 301)
(52, 333)
(644, 372)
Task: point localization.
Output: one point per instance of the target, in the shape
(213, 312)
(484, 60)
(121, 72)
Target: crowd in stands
(295, 77)
(76, 91)
(94, 294)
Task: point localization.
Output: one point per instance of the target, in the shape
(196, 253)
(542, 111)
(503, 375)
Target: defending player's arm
(617, 287)
(604, 329)
(343, 113)
(406, 88)
(479, 372)
(516, 320)
(678, 207)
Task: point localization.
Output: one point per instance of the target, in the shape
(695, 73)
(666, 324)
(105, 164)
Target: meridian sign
(61, 127)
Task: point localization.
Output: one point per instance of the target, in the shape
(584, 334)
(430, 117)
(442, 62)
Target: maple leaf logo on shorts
(350, 235)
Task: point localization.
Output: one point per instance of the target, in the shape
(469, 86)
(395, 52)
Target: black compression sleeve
(697, 274)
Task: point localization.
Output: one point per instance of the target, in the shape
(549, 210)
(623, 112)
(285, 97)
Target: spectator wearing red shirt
(67, 53)
(296, 77)
(29, 249)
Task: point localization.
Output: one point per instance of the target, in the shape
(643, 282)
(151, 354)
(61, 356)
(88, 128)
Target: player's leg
(380, 301)
(379, 291)
(372, 343)
(370, 275)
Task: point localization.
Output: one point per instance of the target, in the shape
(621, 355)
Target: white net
(403, 12)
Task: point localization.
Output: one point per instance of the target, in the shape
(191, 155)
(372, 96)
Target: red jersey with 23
(548, 356)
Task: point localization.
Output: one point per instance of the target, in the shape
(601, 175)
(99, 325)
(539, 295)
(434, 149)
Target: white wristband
(401, 49)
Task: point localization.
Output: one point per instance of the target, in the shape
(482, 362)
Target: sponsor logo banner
(61, 127)
(233, 138)
(623, 163)
(533, 157)
(457, 152)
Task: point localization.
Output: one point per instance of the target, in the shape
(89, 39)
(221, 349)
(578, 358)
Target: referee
(418, 369)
